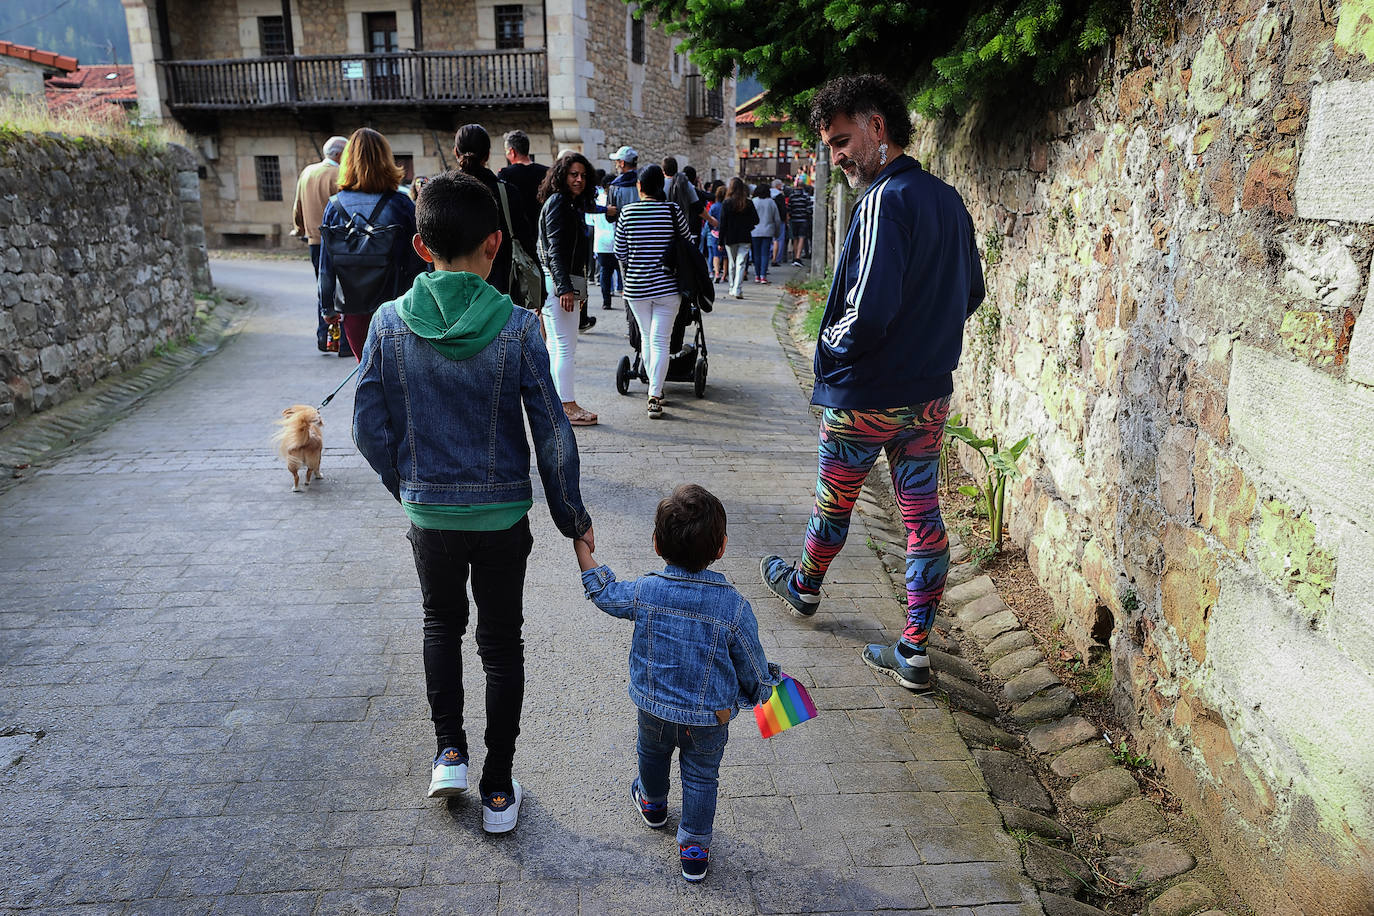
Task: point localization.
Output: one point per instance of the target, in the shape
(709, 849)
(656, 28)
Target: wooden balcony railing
(704, 104)
(483, 78)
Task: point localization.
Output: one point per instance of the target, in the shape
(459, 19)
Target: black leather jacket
(564, 247)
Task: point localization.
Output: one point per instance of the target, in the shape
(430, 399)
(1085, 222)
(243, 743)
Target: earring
(882, 150)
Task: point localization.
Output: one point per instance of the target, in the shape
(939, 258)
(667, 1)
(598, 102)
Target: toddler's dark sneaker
(777, 575)
(913, 673)
(450, 774)
(695, 858)
(500, 810)
(655, 814)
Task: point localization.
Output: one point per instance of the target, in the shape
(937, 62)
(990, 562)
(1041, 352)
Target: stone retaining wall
(1178, 260)
(102, 250)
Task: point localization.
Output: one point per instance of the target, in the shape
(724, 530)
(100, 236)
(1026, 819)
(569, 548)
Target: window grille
(510, 27)
(637, 40)
(272, 36)
(269, 177)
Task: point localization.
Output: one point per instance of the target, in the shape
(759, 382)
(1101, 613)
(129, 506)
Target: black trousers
(496, 562)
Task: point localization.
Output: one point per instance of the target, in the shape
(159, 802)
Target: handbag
(579, 285)
(526, 279)
(684, 261)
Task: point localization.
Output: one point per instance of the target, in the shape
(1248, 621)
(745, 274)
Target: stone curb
(1043, 709)
(46, 436)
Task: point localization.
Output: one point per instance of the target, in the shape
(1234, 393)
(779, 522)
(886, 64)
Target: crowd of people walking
(444, 307)
(559, 238)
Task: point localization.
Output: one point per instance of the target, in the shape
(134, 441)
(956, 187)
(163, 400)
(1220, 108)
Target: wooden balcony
(705, 106)
(409, 78)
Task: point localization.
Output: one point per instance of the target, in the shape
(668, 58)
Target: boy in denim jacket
(450, 373)
(695, 659)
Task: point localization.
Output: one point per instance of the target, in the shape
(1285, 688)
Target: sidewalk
(227, 678)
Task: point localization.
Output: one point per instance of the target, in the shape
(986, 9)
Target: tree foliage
(943, 54)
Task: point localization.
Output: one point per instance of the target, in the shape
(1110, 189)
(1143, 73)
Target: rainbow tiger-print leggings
(849, 444)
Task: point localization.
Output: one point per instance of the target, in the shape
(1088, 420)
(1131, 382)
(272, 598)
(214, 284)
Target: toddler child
(695, 659)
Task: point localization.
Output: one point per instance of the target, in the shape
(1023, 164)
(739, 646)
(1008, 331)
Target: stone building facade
(595, 78)
(1181, 311)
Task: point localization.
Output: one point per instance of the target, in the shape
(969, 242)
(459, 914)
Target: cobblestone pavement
(211, 687)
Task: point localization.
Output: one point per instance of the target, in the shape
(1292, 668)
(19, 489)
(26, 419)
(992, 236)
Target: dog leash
(341, 384)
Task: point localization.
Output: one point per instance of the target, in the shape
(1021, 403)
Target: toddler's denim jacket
(696, 643)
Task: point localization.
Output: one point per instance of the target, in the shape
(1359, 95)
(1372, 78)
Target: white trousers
(737, 255)
(655, 318)
(561, 328)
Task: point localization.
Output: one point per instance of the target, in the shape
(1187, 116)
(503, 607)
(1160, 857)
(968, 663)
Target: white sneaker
(500, 811)
(450, 774)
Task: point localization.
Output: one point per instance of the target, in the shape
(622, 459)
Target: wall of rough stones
(97, 268)
(1180, 310)
(644, 105)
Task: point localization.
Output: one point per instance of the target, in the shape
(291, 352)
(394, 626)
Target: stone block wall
(229, 190)
(1180, 310)
(101, 253)
(644, 105)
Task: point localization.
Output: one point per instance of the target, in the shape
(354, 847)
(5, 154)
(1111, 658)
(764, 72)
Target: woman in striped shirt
(643, 232)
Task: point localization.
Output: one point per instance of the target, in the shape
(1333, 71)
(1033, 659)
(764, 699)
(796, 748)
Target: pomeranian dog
(300, 442)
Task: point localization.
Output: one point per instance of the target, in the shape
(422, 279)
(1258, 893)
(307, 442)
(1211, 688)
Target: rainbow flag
(789, 705)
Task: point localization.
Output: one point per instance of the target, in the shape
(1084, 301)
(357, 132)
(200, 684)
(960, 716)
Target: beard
(863, 169)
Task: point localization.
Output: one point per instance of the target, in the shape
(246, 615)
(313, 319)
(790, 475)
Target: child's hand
(583, 548)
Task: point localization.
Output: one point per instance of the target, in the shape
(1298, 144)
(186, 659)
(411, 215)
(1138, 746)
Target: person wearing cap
(624, 189)
(317, 183)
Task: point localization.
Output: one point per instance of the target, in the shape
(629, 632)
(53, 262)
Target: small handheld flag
(789, 705)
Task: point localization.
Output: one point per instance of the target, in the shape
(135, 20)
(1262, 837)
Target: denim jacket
(695, 647)
(452, 432)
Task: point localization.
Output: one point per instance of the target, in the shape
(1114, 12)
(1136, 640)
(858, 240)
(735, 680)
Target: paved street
(227, 681)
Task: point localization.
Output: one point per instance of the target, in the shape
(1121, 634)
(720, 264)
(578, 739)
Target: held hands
(583, 547)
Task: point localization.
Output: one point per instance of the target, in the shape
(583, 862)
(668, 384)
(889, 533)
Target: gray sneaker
(777, 575)
(912, 673)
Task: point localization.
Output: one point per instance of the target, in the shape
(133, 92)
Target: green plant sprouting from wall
(999, 466)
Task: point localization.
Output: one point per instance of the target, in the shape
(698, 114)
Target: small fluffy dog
(299, 441)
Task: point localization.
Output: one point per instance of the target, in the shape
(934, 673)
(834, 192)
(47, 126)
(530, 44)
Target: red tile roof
(42, 58)
(92, 88)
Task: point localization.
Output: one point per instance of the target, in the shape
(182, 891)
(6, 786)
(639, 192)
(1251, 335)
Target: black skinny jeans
(497, 561)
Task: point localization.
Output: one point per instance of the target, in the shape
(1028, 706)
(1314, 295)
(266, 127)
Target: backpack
(526, 279)
(360, 253)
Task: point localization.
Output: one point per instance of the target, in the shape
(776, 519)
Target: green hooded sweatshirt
(458, 312)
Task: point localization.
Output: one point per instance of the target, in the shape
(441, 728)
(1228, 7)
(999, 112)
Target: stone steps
(1031, 697)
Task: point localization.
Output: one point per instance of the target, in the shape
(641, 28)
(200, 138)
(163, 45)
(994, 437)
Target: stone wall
(1180, 310)
(232, 205)
(644, 105)
(97, 268)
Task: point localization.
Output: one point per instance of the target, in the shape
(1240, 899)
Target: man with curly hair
(906, 280)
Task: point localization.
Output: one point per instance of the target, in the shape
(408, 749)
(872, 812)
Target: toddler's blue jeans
(700, 748)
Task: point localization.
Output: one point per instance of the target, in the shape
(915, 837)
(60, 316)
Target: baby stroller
(684, 261)
(687, 364)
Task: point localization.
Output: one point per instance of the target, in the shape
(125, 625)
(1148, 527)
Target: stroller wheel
(622, 375)
(699, 379)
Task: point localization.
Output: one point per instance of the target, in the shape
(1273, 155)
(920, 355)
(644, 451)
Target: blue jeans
(700, 748)
(763, 255)
(609, 276)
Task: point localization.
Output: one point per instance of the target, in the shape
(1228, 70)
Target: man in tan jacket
(318, 183)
